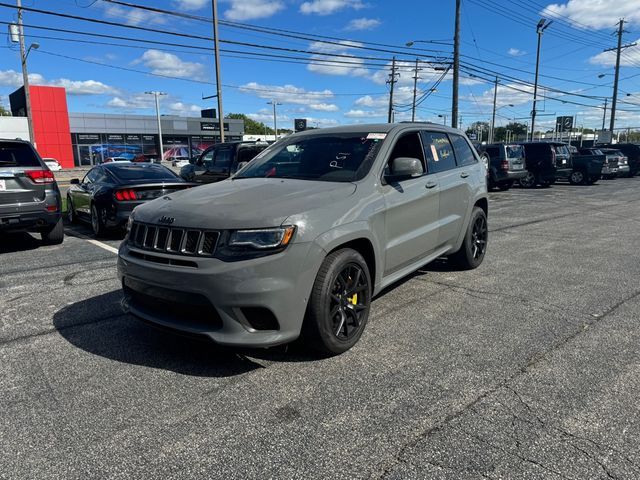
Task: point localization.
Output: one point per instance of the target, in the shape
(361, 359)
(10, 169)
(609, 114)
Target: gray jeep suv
(300, 240)
(29, 195)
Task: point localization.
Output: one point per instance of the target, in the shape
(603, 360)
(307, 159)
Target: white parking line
(93, 241)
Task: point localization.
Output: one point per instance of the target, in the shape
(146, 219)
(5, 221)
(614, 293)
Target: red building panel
(51, 124)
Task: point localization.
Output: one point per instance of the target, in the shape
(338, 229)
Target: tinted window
(464, 154)
(493, 152)
(91, 176)
(142, 172)
(407, 145)
(438, 151)
(326, 157)
(247, 154)
(223, 158)
(17, 155)
(515, 151)
(207, 158)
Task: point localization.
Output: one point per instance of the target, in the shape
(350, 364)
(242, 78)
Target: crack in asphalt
(522, 370)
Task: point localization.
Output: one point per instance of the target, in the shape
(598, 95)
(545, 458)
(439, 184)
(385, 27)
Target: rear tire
(474, 245)
(53, 235)
(339, 304)
(577, 177)
(97, 221)
(529, 181)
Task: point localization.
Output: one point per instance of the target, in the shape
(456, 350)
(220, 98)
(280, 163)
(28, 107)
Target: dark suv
(631, 151)
(221, 161)
(505, 164)
(543, 160)
(29, 196)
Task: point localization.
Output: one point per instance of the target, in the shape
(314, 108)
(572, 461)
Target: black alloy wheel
(339, 303)
(348, 301)
(479, 237)
(71, 214)
(529, 181)
(577, 177)
(98, 220)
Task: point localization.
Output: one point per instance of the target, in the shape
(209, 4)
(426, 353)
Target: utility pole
(456, 68)
(415, 91)
(604, 115)
(216, 48)
(618, 49)
(275, 120)
(493, 118)
(392, 82)
(25, 74)
(542, 26)
(157, 95)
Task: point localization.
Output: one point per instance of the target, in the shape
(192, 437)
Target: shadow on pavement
(97, 325)
(18, 242)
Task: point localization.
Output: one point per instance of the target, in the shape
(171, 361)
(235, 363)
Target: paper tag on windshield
(3, 185)
(376, 136)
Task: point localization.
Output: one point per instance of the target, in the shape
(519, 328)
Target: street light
(443, 117)
(439, 42)
(540, 28)
(157, 95)
(35, 46)
(275, 121)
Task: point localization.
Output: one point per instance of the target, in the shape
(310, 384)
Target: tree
(251, 127)
(480, 130)
(4, 112)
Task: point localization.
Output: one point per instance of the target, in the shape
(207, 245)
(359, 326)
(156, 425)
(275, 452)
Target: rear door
(17, 191)
(515, 157)
(411, 216)
(455, 165)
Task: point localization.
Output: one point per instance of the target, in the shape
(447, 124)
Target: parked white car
(53, 164)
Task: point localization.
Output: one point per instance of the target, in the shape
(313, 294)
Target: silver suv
(29, 195)
(300, 240)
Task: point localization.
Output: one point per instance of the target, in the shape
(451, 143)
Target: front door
(411, 218)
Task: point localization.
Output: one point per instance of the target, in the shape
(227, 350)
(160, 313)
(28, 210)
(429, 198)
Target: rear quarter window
(18, 155)
(143, 172)
(462, 149)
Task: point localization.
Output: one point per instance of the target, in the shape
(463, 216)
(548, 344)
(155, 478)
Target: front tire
(474, 245)
(97, 221)
(339, 305)
(53, 235)
(71, 213)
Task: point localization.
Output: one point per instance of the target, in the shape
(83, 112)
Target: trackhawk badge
(166, 220)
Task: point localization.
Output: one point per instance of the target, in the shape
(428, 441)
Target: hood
(243, 203)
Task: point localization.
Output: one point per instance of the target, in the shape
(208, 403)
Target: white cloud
(515, 52)
(406, 71)
(265, 115)
(324, 107)
(630, 58)
(139, 101)
(11, 78)
(363, 24)
(507, 94)
(252, 9)
(287, 94)
(183, 109)
(341, 63)
(327, 7)
(163, 63)
(357, 113)
(134, 16)
(191, 4)
(595, 13)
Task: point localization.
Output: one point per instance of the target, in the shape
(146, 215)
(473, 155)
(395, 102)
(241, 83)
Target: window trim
(455, 155)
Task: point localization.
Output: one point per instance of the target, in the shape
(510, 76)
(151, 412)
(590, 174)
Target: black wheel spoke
(348, 301)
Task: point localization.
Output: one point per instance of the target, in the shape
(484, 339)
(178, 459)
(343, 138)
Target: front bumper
(606, 170)
(624, 170)
(280, 283)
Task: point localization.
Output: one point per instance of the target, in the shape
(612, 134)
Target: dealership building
(78, 139)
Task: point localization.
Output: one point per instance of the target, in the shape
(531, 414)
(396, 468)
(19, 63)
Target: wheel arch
(365, 248)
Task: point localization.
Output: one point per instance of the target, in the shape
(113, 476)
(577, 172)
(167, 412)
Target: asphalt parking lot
(528, 367)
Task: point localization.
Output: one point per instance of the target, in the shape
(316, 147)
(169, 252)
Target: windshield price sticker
(3, 185)
(376, 136)
(434, 153)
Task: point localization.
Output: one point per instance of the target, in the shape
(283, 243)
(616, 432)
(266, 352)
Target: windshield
(561, 150)
(329, 158)
(17, 155)
(515, 151)
(143, 172)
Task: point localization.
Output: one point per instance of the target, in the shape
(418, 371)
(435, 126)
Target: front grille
(173, 239)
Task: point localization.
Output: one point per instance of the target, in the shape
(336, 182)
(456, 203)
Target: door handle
(431, 184)
(464, 175)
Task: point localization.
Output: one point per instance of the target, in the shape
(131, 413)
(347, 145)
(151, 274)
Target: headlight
(262, 239)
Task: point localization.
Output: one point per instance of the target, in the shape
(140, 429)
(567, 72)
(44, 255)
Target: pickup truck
(610, 167)
(221, 161)
(582, 169)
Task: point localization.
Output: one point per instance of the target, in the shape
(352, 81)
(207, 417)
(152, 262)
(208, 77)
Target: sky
(498, 38)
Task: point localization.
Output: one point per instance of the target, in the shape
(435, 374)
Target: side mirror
(405, 167)
(74, 181)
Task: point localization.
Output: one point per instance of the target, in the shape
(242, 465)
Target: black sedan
(108, 193)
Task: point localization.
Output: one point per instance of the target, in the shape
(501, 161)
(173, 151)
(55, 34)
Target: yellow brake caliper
(354, 300)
